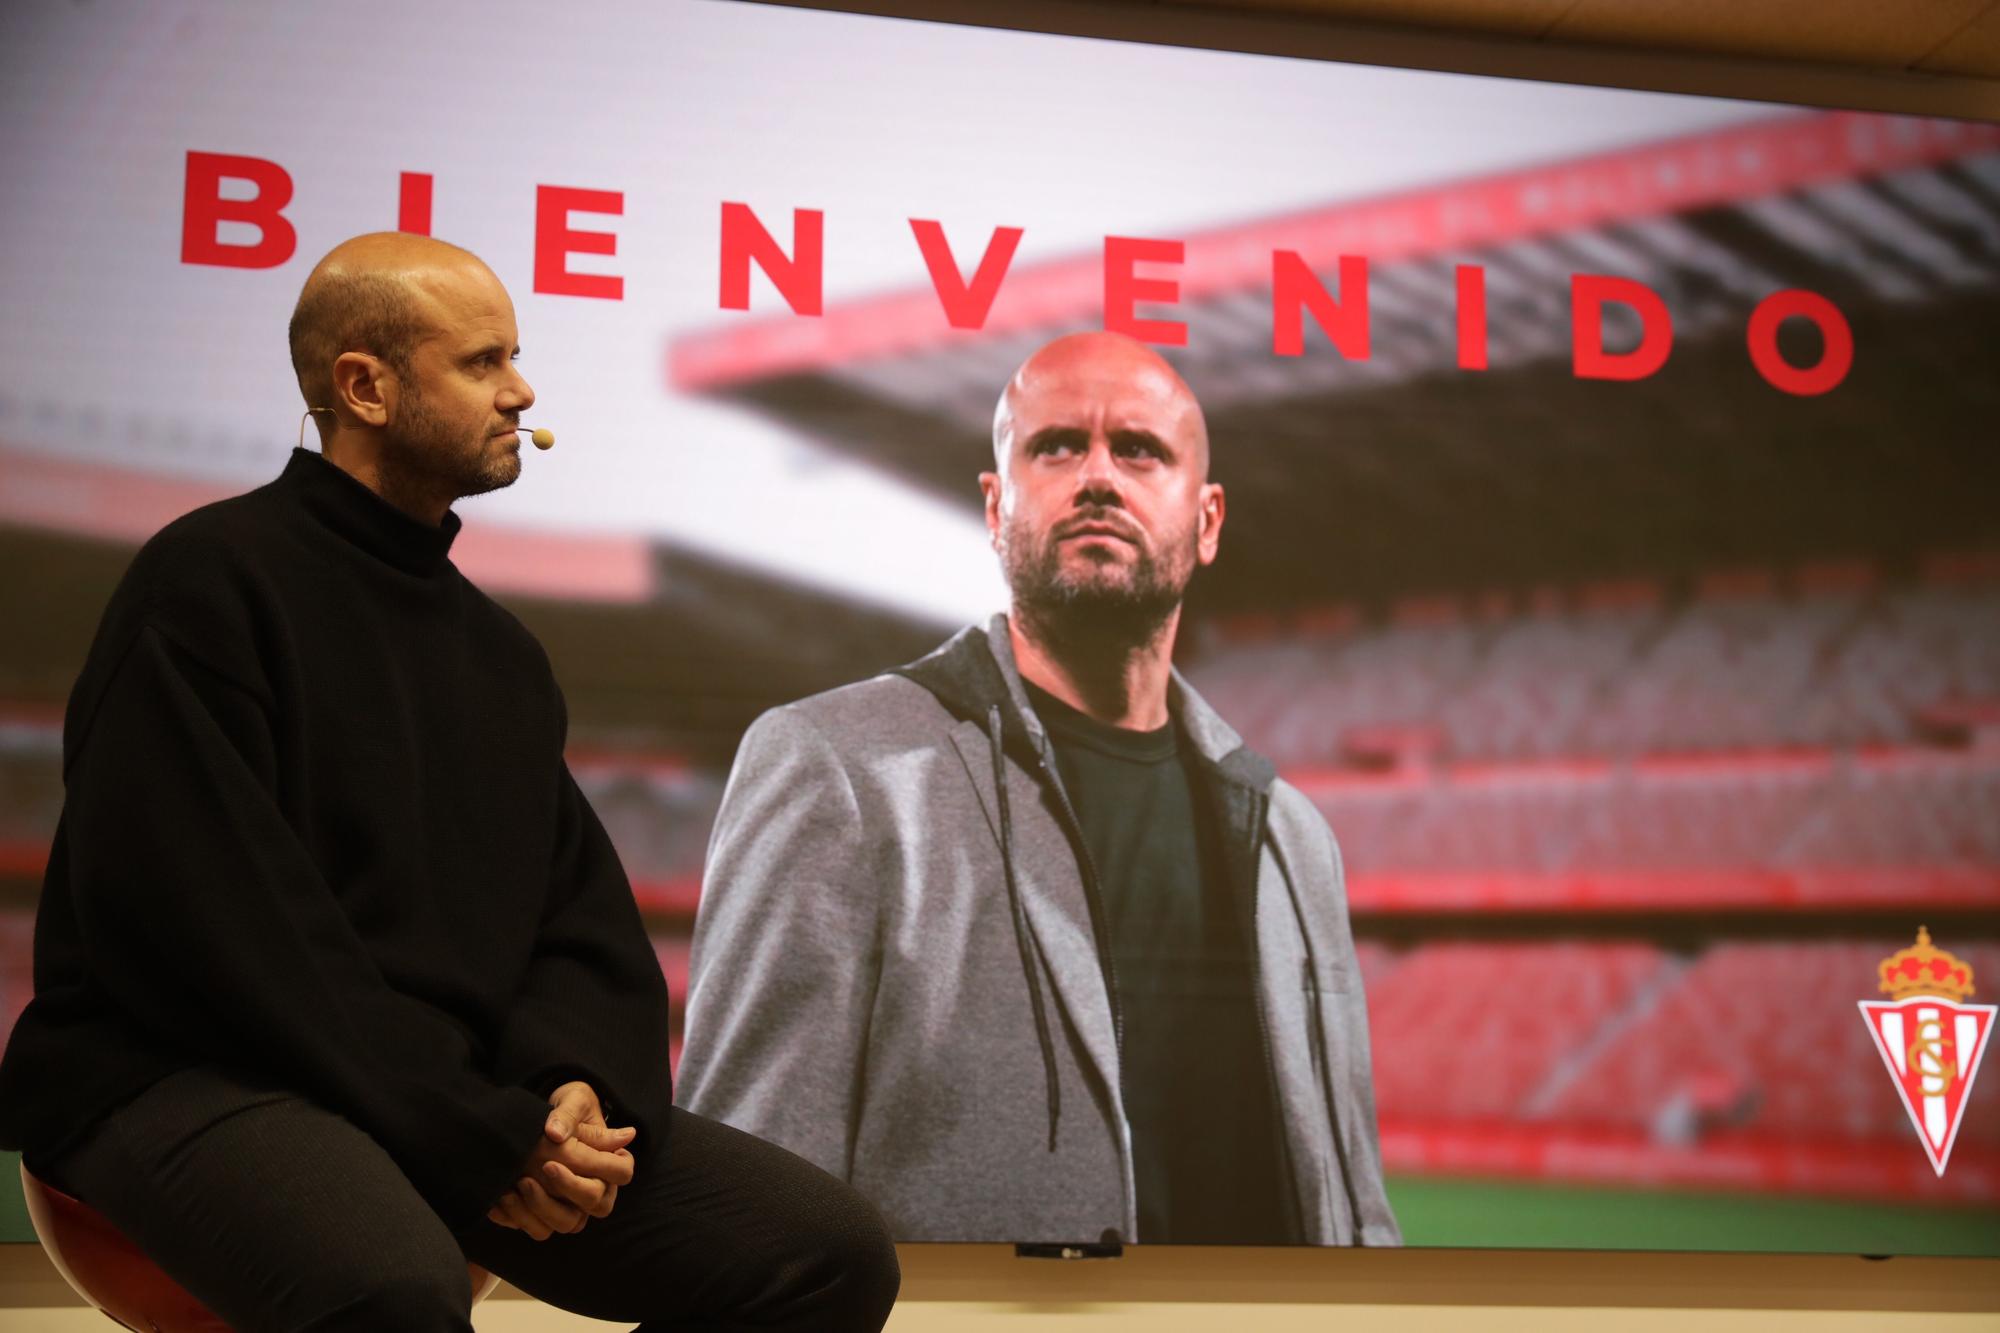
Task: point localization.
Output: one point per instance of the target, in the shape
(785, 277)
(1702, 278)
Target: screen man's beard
(1083, 608)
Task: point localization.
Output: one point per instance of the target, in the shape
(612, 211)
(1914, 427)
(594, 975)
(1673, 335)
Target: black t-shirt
(1196, 1087)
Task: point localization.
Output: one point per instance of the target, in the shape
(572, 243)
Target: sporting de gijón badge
(1930, 1038)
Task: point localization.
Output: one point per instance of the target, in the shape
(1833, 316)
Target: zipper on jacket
(1092, 896)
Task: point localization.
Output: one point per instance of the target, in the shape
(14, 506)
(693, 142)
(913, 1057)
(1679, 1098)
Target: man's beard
(426, 454)
(1097, 606)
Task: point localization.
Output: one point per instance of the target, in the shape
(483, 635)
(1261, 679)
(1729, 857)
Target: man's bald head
(1099, 504)
(369, 294)
(405, 349)
(1100, 368)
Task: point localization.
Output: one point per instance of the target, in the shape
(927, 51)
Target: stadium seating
(1743, 1036)
(1376, 961)
(30, 776)
(657, 816)
(671, 948)
(1784, 812)
(1737, 664)
(17, 982)
(1298, 698)
(1906, 809)
(1511, 1012)
(1779, 1024)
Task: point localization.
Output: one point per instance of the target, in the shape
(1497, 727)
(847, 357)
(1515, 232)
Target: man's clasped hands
(574, 1172)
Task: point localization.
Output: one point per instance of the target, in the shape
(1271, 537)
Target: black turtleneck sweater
(317, 827)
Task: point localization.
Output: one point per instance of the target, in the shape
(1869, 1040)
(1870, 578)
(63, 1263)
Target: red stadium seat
(1512, 1012)
(108, 1270)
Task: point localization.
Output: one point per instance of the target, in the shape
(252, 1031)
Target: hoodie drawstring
(1021, 934)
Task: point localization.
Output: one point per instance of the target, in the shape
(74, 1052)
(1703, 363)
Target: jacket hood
(973, 671)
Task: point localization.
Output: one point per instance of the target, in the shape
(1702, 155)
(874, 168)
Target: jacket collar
(974, 670)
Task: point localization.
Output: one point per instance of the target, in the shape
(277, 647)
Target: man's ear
(1213, 509)
(364, 388)
(989, 486)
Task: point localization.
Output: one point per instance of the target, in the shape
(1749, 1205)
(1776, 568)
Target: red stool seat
(109, 1271)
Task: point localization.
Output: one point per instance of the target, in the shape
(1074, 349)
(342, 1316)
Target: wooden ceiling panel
(1946, 37)
(1499, 18)
(1974, 49)
(1844, 32)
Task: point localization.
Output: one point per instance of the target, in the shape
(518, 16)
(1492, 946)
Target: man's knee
(878, 1276)
(861, 1261)
(431, 1297)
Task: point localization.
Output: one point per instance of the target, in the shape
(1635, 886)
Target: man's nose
(522, 392)
(1099, 471)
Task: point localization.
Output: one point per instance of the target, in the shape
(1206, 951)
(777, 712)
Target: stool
(108, 1270)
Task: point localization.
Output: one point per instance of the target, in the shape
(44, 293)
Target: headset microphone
(543, 437)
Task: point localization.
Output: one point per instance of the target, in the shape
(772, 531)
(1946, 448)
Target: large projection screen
(1613, 557)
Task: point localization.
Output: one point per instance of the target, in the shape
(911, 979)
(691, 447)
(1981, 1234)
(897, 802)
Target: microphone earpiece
(311, 412)
(543, 438)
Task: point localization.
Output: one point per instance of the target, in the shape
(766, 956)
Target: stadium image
(1651, 716)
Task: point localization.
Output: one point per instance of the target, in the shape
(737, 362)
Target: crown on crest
(1924, 969)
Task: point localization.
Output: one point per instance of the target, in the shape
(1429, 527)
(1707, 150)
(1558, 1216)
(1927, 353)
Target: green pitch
(13, 1212)
(1477, 1214)
(1482, 1214)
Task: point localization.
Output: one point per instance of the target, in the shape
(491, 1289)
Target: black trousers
(278, 1214)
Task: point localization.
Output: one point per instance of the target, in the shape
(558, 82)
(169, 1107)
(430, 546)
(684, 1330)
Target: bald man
(1019, 938)
(338, 979)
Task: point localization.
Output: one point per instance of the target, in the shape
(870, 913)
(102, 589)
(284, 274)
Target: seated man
(338, 978)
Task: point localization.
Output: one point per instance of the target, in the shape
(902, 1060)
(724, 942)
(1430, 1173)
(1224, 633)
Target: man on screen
(338, 979)
(1019, 938)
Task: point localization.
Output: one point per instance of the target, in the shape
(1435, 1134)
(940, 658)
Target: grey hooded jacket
(895, 973)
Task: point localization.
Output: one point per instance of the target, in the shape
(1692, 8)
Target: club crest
(1929, 1038)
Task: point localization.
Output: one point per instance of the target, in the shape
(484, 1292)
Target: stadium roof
(1402, 472)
